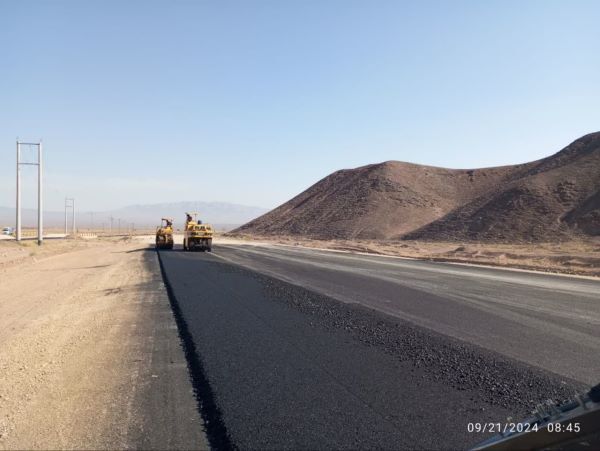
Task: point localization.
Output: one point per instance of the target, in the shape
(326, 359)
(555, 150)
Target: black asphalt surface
(279, 366)
(547, 321)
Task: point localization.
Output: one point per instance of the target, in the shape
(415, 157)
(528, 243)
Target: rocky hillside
(554, 198)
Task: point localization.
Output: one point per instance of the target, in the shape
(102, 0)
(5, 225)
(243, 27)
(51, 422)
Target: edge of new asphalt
(214, 426)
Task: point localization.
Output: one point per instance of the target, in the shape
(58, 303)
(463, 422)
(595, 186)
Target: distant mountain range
(222, 215)
(554, 198)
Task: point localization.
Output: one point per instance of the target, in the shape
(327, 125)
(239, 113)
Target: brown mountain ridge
(555, 198)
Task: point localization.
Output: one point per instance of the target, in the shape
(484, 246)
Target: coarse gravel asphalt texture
(547, 321)
(286, 368)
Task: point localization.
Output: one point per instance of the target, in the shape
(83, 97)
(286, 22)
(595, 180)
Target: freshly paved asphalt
(288, 366)
(548, 321)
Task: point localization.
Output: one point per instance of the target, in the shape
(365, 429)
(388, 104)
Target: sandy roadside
(89, 353)
(12, 253)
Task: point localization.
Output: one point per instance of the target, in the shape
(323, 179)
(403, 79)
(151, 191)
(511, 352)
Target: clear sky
(253, 101)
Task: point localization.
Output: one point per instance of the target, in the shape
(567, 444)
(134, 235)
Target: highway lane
(548, 321)
(288, 368)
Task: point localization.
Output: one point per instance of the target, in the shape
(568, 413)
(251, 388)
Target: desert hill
(557, 197)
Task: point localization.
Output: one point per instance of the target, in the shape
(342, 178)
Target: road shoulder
(91, 357)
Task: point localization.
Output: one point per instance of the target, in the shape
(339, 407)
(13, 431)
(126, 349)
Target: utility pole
(119, 229)
(70, 203)
(111, 224)
(40, 225)
(40, 197)
(18, 225)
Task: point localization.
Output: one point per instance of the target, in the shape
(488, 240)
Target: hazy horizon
(251, 102)
(216, 213)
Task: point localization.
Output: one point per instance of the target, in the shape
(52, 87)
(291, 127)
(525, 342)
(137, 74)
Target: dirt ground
(89, 351)
(571, 257)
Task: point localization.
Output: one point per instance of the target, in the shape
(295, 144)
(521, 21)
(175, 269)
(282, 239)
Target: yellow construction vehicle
(164, 234)
(197, 235)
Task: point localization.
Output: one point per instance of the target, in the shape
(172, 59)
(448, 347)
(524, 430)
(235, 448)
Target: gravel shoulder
(90, 354)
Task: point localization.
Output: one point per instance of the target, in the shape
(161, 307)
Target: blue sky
(253, 101)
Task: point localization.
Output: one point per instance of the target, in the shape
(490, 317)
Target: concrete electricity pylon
(40, 227)
(70, 203)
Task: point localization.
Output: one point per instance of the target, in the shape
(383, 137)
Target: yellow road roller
(164, 234)
(197, 236)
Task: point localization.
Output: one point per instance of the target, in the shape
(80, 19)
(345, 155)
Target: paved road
(548, 321)
(286, 367)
